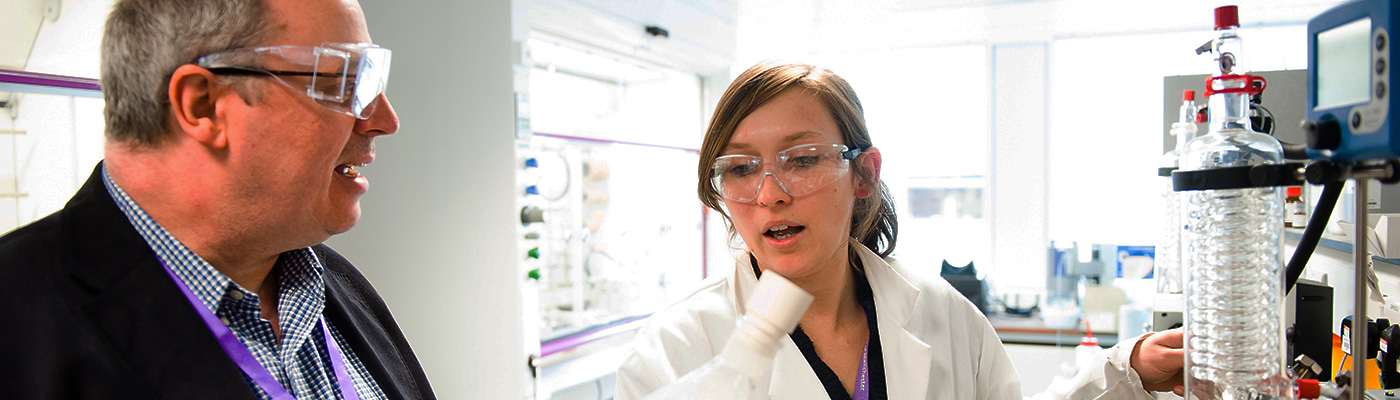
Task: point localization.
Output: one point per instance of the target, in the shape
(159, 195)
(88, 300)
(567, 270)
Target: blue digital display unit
(1348, 89)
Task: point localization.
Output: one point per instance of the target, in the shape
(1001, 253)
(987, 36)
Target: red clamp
(1309, 389)
(1249, 84)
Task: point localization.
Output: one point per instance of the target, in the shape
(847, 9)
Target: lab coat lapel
(746, 283)
(907, 362)
(907, 359)
(792, 377)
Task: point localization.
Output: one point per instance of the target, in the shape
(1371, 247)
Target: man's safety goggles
(345, 77)
(798, 171)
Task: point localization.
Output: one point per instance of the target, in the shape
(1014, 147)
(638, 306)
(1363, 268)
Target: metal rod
(1359, 326)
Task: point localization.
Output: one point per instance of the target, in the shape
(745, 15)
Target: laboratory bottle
(743, 367)
(1087, 353)
(1296, 210)
(1167, 261)
(1234, 253)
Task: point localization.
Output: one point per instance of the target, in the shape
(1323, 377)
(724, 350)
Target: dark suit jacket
(86, 312)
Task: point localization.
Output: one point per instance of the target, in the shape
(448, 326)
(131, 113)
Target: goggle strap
(851, 154)
(238, 71)
(255, 71)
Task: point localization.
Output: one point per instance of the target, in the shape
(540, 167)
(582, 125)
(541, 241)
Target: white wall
(1018, 185)
(63, 134)
(436, 238)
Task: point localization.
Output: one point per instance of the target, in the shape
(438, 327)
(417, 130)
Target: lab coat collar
(792, 377)
(898, 295)
(906, 357)
(895, 296)
(895, 301)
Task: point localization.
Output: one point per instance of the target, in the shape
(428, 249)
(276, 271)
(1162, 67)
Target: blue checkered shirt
(300, 362)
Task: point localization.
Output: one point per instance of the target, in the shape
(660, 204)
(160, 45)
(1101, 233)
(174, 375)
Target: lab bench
(1032, 330)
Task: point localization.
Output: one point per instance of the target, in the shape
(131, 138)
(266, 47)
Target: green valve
(534, 274)
(534, 253)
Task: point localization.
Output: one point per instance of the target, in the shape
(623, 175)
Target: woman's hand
(1158, 359)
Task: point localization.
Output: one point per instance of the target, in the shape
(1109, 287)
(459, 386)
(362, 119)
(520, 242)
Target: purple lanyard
(863, 379)
(250, 365)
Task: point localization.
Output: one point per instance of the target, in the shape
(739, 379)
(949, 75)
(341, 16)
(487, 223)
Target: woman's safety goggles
(798, 171)
(345, 77)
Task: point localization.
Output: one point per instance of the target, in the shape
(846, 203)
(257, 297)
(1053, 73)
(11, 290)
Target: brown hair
(873, 219)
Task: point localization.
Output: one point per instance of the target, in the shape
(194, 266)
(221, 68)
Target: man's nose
(382, 119)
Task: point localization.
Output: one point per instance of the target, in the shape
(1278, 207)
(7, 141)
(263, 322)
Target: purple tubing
(49, 80)
(574, 341)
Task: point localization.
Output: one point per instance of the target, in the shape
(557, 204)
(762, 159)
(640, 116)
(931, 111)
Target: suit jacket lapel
(366, 337)
(136, 306)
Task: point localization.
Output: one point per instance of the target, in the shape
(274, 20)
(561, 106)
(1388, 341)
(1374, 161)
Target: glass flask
(1234, 340)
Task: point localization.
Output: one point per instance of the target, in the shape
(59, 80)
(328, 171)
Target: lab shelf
(1295, 235)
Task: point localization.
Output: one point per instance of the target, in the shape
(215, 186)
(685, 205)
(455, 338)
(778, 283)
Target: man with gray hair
(191, 264)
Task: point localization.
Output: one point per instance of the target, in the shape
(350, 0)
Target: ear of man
(869, 163)
(195, 101)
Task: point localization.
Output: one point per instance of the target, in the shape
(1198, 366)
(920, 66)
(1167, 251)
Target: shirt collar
(207, 283)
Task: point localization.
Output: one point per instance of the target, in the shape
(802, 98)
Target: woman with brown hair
(776, 163)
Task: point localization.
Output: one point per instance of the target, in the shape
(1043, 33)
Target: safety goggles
(798, 171)
(345, 77)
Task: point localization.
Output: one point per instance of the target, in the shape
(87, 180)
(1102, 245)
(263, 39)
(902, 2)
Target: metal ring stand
(1361, 256)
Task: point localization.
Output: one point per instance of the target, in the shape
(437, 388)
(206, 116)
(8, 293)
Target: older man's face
(296, 159)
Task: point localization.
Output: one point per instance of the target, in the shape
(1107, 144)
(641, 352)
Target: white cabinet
(700, 33)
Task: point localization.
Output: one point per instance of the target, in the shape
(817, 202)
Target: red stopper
(1188, 95)
(1309, 389)
(1295, 191)
(1227, 17)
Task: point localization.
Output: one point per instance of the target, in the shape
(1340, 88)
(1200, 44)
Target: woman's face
(818, 223)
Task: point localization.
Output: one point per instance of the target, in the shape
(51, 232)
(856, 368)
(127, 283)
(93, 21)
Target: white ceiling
(805, 28)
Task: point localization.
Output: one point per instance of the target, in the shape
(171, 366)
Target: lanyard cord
(249, 364)
(862, 391)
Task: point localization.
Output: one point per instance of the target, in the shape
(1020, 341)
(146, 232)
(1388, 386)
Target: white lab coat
(936, 345)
